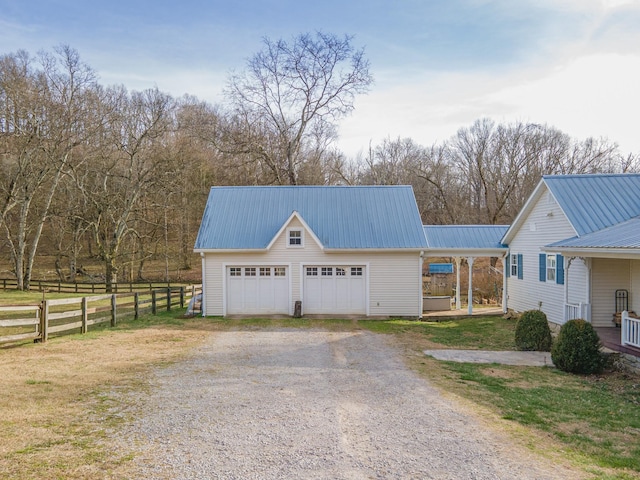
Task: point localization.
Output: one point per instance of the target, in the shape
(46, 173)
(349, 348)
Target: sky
(438, 65)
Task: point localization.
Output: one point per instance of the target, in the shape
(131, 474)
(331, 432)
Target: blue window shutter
(520, 275)
(559, 269)
(543, 267)
(507, 265)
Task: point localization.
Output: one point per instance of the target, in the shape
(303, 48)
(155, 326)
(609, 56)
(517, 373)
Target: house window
(250, 272)
(265, 271)
(327, 271)
(312, 271)
(514, 265)
(295, 238)
(235, 272)
(551, 268)
(356, 271)
(340, 272)
(279, 272)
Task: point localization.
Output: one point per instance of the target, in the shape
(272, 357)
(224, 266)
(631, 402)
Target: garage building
(338, 250)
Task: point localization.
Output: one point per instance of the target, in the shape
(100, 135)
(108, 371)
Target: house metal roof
(594, 202)
(363, 217)
(625, 235)
(465, 237)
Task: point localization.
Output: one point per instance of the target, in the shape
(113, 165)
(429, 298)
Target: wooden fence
(87, 287)
(37, 321)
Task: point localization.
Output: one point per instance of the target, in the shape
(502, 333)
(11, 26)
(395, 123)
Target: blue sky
(438, 64)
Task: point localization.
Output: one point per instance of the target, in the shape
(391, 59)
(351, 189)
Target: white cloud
(593, 95)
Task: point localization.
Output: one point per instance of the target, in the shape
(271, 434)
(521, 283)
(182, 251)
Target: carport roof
(341, 217)
(465, 239)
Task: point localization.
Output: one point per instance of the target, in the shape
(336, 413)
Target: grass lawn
(57, 412)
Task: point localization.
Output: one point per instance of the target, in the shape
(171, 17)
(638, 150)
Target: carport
(468, 242)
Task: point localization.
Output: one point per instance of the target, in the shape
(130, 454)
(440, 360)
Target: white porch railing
(630, 330)
(580, 310)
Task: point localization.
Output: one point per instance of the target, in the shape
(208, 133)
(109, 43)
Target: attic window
(295, 238)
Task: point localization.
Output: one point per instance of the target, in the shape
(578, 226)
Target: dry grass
(54, 414)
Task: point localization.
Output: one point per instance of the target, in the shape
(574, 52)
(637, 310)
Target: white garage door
(257, 290)
(334, 290)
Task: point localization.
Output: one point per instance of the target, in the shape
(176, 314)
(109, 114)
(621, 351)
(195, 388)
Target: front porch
(611, 338)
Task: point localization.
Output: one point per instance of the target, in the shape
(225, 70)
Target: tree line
(94, 171)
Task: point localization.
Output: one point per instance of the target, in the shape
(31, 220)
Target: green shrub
(577, 348)
(533, 332)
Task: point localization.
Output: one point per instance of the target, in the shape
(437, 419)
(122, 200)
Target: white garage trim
(225, 267)
(346, 264)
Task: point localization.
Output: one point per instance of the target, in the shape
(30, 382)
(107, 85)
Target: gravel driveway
(299, 404)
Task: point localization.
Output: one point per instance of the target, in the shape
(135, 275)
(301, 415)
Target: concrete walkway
(532, 359)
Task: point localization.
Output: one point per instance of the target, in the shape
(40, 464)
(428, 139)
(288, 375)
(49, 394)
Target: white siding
(393, 278)
(576, 280)
(545, 224)
(634, 290)
(608, 275)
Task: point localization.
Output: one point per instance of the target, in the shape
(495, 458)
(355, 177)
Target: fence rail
(630, 330)
(66, 314)
(88, 287)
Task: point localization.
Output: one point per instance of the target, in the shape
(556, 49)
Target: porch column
(470, 292)
(458, 260)
(504, 283)
(588, 262)
(565, 267)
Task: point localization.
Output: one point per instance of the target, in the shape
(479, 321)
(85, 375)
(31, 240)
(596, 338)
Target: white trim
(464, 252)
(229, 250)
(203, 304)
(601, 252)
(293, 215)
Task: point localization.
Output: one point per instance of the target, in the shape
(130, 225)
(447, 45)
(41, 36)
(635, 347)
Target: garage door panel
(257, 290)
(334, 290)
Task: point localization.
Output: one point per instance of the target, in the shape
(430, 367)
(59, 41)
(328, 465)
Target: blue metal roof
(341, 217)
(594, 202)
(465, 237)
(624, 235)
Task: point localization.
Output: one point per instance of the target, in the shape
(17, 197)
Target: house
(337, 250)
(575, 246)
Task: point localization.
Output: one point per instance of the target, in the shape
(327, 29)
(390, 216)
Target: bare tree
(44, 120)
(286, 102)
(132, 164)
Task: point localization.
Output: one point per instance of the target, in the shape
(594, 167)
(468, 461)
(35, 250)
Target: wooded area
(95, 173)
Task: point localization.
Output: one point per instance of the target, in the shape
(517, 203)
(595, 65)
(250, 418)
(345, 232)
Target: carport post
(458, 260)
(470, 292)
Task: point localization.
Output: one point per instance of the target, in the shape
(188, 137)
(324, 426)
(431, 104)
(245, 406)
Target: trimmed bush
(577, 348)
(533, 332)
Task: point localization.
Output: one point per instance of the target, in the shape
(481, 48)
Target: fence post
(84, 315)
(136, 305)
(44, 321)
(182, 297)
(113, 310)
(153, 302)
(168, 299)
